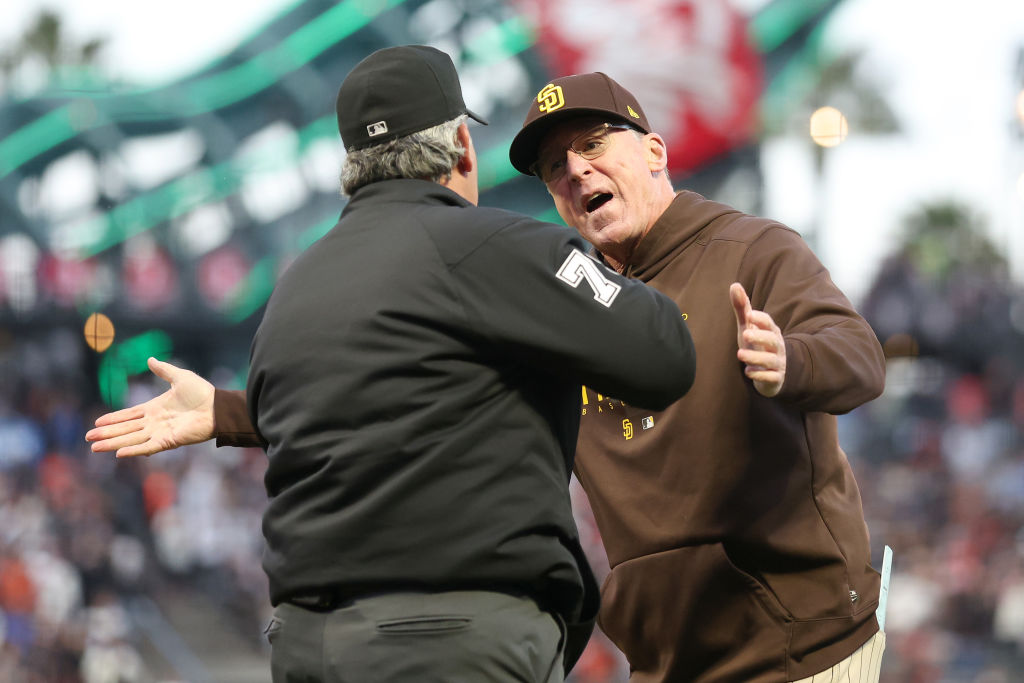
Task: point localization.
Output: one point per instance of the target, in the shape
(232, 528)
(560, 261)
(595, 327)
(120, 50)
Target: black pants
(454, 637)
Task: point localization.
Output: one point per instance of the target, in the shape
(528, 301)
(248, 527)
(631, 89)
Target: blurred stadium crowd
(85, 540)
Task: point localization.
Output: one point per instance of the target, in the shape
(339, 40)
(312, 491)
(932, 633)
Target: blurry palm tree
(946, 291)
(45, 53)
(943, 237)
(813, 79)
(842, 84)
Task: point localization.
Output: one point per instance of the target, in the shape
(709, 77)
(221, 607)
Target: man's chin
(604, 232)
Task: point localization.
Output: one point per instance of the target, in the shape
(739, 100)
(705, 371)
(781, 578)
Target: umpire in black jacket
(416, 381)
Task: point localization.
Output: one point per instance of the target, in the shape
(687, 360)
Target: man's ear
(467, 162)
(656, 152)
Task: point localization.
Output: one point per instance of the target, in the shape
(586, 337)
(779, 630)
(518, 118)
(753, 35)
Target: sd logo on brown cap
(570, 97)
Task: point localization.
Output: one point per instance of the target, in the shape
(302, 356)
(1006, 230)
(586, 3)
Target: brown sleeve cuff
(797, 370)
(231, 424)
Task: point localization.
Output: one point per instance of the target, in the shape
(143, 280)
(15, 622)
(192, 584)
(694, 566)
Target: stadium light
(828, 127)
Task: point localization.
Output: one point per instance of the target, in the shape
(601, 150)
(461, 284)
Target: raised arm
(833, 361)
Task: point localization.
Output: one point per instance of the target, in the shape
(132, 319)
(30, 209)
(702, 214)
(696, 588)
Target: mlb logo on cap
(375, 129)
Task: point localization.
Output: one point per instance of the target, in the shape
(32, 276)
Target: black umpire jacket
(416, 381)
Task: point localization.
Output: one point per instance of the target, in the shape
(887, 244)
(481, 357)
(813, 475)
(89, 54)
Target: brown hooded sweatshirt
(733, 523)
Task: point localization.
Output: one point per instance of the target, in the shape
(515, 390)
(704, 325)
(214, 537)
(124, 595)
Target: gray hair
(428, 154)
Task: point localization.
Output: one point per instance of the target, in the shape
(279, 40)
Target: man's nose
(575, 165)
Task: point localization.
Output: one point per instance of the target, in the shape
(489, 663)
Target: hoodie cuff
(231, 424)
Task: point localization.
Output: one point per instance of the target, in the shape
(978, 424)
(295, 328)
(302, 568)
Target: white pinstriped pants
(863, 666)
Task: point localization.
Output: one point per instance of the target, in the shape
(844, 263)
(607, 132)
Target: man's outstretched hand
(180, 416)
(761, 345)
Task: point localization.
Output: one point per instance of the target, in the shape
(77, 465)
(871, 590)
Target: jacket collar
(404, 190)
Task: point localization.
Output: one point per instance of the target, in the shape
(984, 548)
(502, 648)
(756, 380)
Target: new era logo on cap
(375, 129)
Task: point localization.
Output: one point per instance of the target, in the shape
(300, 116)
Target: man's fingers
(142, 449)
(763, 340)
(133, 413)
(164, 371)
(740, 303)
(113, 430)
(772, 377)
(759, 359)
(760, 319)
(119, 442)
(762, 349)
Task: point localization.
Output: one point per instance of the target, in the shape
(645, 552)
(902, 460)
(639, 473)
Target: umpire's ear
(463, 179)
(467, 162)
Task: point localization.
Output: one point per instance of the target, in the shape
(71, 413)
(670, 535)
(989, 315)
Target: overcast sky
(949, 72)
(948, 69)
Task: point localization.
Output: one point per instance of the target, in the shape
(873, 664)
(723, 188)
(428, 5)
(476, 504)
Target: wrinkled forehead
(560, 135)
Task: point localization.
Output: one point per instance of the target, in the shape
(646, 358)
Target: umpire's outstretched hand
(180, 416)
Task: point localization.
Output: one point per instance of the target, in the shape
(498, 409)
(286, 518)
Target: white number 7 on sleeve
(578, 267)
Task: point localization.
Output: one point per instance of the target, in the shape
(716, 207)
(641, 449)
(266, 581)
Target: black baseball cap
(594, 94)
(397, 91)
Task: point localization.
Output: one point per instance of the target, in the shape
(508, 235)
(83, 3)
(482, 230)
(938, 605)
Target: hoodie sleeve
(231, 423)
(537, 295)
(834, 362)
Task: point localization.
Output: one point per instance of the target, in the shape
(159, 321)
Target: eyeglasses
(550, 165)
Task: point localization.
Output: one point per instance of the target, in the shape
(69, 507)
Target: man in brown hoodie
(732, 520)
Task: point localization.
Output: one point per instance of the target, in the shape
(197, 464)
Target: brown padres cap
(570, 97)
(398, 91)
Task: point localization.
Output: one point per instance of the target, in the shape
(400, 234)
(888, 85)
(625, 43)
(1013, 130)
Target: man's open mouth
(597, 201)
